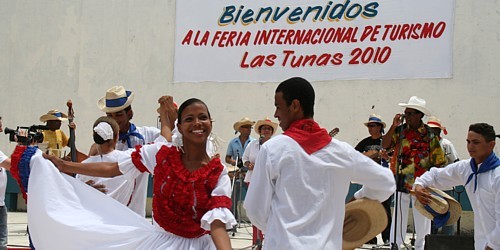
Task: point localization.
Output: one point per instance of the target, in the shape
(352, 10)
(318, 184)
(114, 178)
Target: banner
(270, 41)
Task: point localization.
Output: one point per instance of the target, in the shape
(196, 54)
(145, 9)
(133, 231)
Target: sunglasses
(372, 125)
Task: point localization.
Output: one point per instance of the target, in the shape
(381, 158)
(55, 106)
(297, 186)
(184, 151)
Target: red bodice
(181, 197)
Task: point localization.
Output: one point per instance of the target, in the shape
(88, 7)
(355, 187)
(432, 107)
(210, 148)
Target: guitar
(334, 132)
(76, 156)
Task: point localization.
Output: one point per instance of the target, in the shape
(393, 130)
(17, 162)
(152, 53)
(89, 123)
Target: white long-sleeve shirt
(122, 187)
(250, 155)
(485, 201)
(298, 199)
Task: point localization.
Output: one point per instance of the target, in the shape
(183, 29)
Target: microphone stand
(394, 245)
(233, 195)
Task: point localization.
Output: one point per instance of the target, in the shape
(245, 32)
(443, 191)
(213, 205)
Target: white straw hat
(54, 115)
(416, 103)
(441, 203)
(364, 219)
(116, 99)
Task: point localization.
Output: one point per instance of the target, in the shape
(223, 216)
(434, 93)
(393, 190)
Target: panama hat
(440, 204)
(434, 122)
(116, 99)
(364, 219)
(416, 103)
(244, 121)
(54, 115)
(267, 122)
(375, 119)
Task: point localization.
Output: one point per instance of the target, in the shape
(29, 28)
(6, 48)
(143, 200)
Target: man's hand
(167, 109)
(101, 187)
(422, 194)
(397, 120)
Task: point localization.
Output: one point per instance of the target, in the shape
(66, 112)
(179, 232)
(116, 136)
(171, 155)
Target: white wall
(51, 51)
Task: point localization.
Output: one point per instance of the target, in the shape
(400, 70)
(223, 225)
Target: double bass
(76, 156)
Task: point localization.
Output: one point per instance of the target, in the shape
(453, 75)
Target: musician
(117, 103)
(236, 147)
(451, 156)
(481, 177)
(371, 146)
(265, 128)
(120, 188)
(54, 136)
(301, 177)
(416, 150)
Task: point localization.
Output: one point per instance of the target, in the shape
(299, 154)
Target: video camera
(26, 135)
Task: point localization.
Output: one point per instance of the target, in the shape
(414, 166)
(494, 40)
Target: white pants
(422, 223)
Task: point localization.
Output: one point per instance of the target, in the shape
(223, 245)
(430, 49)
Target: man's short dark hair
(484, 129)
(300, 89)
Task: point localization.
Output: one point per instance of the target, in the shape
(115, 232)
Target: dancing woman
(190, 197)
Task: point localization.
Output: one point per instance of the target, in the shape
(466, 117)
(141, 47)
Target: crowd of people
(295, 183)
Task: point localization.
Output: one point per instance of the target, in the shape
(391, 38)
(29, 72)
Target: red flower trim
(14, 170)
(136, 159)
(220, 202)
(181, 197)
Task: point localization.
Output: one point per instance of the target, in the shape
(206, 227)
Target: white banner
(269, 41)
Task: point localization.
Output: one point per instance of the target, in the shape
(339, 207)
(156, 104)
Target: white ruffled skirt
(65, 213)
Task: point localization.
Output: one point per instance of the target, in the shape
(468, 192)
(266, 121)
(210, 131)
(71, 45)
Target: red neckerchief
(308, 135)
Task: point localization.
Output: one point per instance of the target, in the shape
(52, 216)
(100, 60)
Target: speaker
(448, 242)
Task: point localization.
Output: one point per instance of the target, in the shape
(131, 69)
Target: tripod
(236, 196)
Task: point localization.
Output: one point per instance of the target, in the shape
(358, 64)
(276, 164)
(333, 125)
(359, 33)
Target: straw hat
(267, 122)
(54, 115)
(375, 119)
(116, 99)
(434, 122)
(244, 121)
(441, 203)
(416, 103)
(364, 219)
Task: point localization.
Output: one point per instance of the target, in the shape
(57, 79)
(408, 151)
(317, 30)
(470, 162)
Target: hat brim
(268, 123)
(239, 124)
(50, 117)
(454, 207)
(383, 123)
(419, 108)
(101, 104)
(364, 219)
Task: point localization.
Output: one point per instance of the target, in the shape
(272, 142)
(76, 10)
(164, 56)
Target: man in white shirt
(4, 165)
(451, 156)
(481, 177)
(117, 103)
(301, 177)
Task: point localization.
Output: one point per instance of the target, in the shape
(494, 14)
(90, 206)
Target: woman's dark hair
(114, 125)
(300, 89)
(483, 129)
(188, 102)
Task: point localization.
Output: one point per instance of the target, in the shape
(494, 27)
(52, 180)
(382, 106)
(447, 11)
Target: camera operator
(4, 165)
(54, 136)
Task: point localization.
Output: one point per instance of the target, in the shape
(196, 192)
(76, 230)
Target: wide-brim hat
(54, 115)
(364, 219)
(267, 122)
(434, 122)
(441, 203)
(244, 121)
(416, 103)
(116, 99)
(375, 119)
